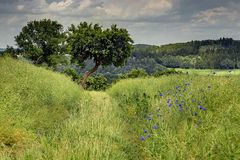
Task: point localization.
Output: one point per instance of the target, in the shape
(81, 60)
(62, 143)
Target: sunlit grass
(210, 134)
(44, 115)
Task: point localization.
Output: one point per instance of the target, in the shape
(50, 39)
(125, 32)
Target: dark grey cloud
(149, 21)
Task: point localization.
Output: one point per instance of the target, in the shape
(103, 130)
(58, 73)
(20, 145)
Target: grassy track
(44, 115)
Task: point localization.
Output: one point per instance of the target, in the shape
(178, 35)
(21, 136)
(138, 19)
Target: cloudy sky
(148, 21)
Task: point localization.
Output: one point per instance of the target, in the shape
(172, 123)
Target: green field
(216, 72)
(44, 115)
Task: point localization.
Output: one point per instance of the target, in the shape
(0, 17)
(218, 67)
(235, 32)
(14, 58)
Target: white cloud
(60, 5)
(85, 4)
(216, 15)
(137, 8)
(20, 7)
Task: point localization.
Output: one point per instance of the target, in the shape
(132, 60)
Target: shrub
(166, 72)
(134, 73)
(97, 83)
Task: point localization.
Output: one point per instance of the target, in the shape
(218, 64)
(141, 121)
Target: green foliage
(97, 83)
(216, 54)
(55, 60)
(105, 47)
(166, 72)
(39, 40)
(72, 73)
(134, 73)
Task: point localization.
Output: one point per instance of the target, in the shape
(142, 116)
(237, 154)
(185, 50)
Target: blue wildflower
(202, 108)
(145, 131)
(161, 94)
(155, 127)
(169, 104)
(142, 138)
(149, 118)
(148, 136)
(168, 100)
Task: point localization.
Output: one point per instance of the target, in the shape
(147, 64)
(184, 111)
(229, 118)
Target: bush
(166, 72)
(72, 73)
(134, 73)
(97, 83)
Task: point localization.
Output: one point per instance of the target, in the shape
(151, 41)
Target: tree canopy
(40, 40)
(111, 46)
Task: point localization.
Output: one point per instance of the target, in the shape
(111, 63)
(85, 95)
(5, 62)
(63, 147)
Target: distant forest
(207, 54)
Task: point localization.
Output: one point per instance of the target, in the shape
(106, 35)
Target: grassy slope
(186, 133)
(44, 115)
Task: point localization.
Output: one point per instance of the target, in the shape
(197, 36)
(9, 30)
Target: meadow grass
(182, 117)
(44, 115)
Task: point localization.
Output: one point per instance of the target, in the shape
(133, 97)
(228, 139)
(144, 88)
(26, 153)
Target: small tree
(41, 39)
(104, 47)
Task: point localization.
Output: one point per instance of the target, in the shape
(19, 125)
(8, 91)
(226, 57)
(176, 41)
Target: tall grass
(166, 131)
(44, 115)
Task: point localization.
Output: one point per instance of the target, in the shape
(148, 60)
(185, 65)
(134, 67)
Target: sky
(148, 21)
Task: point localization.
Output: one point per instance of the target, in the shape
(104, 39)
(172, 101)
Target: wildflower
(202, 108)
(169, 100)
(158, 115)
(148, 136)
(155, 127)
(193, 100)
(145, 131)
(142, 138)
(161, 95)
(179, 105)
(169, 104)
(149, 118)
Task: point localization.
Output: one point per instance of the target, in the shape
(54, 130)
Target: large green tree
(41, 40)
(105, 47)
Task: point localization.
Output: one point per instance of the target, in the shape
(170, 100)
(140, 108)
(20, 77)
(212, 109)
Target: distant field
(216, 72)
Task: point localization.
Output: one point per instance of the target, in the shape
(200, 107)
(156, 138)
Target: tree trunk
(88, 73)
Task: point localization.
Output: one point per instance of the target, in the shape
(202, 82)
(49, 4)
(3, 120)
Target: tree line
(223, 53)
